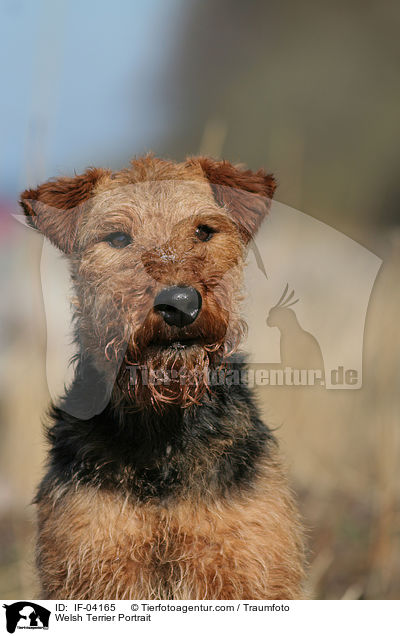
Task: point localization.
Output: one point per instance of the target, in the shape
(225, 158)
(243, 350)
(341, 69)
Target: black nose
(179, 306)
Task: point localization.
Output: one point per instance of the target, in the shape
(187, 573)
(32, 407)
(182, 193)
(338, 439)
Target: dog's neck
(211, 447)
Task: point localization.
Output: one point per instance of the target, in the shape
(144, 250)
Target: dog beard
(172, 374)
(162, 366)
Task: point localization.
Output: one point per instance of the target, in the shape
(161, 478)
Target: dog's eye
(204, 232)
(118, 239)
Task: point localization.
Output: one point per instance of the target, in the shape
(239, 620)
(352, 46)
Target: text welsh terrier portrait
(161, 483)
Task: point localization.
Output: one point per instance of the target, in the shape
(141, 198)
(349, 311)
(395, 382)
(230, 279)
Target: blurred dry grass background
(344, 453)
(309, 91)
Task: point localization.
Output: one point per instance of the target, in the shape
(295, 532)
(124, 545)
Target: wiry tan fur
(97, 545)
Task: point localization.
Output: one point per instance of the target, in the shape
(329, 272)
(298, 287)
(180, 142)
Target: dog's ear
(246, 194)
(54, 208)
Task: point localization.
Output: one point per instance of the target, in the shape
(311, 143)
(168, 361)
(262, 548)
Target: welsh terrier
(161, 483)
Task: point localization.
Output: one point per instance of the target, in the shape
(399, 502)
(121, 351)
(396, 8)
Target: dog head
(156, 254)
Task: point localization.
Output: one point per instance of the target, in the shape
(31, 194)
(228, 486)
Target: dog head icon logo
(26, 615)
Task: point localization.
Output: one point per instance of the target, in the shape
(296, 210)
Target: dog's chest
(95, 543)
(103, 537)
